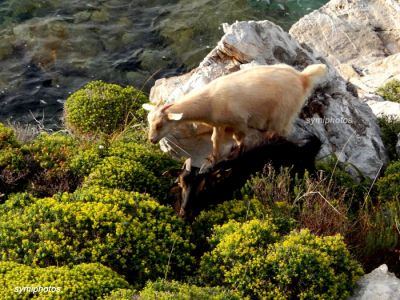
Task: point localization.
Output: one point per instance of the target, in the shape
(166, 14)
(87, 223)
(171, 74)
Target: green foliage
(7, 137)
(128, 232)
(390, 129)
(379, 229)
(51, 151)
(88, 157)
(17, 202)
(390, 91)
(49, 155)
(174, 290)
(84, 281)
(13, 165)
(102, 108)
(121, 294)
(250, 257)
(150, 157)
(13, 170)
(276, 191)
(389, 184)
(116, 172)
(340, 180)
(133, 167)
(301, 266)
(234, 244)
(238, 210)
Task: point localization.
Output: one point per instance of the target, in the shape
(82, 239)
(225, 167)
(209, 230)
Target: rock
(380, 107)
(361, 38)
(379, 284)
(346, 126)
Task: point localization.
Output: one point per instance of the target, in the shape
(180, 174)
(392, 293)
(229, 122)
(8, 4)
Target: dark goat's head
(190, 182)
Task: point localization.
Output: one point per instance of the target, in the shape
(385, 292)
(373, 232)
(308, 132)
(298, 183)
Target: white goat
(264, 98)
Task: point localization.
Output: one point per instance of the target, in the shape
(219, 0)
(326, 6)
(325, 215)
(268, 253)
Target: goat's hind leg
(217, 138)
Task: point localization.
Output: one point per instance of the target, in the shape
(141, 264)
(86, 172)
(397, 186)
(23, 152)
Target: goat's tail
(312, 75)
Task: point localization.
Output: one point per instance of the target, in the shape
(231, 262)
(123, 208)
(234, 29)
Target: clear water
(50, 48)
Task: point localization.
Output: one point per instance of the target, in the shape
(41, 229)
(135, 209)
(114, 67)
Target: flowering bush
(251, 257)
(84, 281)
(103, 108)
(129, 232)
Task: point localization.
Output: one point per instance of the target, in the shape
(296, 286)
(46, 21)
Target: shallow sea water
(50, 48)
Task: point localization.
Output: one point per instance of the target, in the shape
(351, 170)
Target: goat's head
(160, 121)
(190, 183)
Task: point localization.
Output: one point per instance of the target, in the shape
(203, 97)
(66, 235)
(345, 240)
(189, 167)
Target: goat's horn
(166, 106)
(188, 164)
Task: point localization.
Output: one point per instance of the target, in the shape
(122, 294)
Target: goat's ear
(175, 117)
(148, 106)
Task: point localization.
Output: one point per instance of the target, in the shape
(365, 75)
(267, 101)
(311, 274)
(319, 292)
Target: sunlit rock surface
(361, 38)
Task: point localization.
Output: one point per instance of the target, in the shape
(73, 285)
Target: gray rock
(361, 38)
(381, 107)
(346, 125)
(378, 285)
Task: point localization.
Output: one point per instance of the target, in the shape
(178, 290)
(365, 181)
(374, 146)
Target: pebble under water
(51, 48)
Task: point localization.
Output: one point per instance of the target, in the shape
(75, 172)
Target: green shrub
(17, 202)
(88, 157)
(250, 258)
(390, 91)
(301, 266)
(121, 294)
(238, 210)
(233, 244)
(379, 231)
(152, 163)
(390, 128)
(128, 232)
(49, 155)
(7, 137)
(150, 157)
(338, 180)
(389, 184)
(116, 172)
(102, 108)
(174, 290)
(136, 133)
(84, 281)
(14, 170)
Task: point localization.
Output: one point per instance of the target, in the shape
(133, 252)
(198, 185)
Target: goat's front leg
(216, 138)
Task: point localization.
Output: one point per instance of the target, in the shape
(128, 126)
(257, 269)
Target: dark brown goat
(218, 183)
